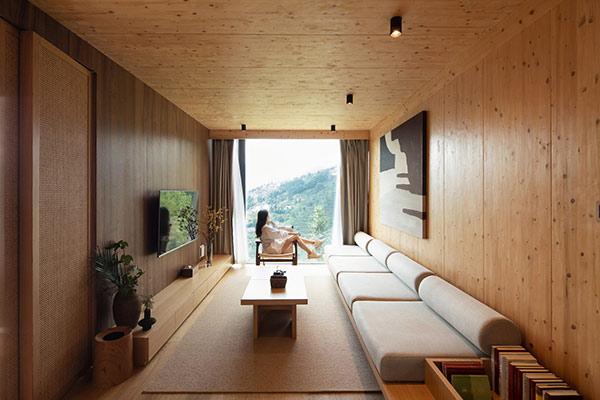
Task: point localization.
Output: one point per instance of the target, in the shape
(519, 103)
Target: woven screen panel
(9, 208)
(64, 270)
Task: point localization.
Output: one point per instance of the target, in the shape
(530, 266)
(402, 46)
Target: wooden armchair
(266, 257)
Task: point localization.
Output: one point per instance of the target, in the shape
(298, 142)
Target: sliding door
(57, 229)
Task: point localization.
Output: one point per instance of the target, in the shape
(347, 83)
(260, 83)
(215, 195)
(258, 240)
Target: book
(505, 360)
(534, 383)
(568, 394)
(450, 368)
(516, 370)
(542, 388)
(536, 377)
(472, 387)
(495, 364)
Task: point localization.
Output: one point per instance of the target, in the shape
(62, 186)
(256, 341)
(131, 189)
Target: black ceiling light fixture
(396, 27)
(350, 98)
(243, 127)
(332, 128)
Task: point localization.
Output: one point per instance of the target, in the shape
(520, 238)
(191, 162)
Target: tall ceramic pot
(126, 309)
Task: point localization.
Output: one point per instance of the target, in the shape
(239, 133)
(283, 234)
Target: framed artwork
(402, 177)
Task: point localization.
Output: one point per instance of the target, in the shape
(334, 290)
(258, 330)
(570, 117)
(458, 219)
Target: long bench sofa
(404, 313)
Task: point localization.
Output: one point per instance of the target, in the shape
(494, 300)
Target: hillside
(306, 202)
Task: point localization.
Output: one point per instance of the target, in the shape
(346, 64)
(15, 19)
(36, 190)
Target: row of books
(517, 375)
(468, 377)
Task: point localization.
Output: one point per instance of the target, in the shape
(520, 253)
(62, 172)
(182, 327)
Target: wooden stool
(113, 356)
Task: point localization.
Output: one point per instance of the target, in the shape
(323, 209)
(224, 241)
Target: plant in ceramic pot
(213, 220)
(118, 268)
(147, 322)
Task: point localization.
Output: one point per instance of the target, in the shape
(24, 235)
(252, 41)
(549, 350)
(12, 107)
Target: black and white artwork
(402, 174)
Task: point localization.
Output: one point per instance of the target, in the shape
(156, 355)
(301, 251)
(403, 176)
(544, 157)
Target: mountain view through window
(296, 181)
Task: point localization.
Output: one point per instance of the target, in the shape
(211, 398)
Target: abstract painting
(402, 175)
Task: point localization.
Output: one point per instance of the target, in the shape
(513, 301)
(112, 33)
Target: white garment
(273, 238)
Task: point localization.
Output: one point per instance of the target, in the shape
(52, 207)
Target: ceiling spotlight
(396, 26)
(243, 127)
(349, 98)
(332, 128)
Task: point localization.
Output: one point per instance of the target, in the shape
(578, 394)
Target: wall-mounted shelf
(174, 304)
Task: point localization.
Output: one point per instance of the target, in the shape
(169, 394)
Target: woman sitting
(279, 240)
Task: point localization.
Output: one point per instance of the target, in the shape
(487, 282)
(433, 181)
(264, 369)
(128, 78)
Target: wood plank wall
(514, 161)
(144, 143)
(9, 223)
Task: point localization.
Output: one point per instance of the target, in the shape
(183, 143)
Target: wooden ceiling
(282, 64)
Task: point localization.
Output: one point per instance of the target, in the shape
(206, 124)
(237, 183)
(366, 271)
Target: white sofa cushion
(362, 240)
(409, 271)
(479, 323)
(339, 264)
(380, 250)
(399, 336)
(374, 286)
(344, 250)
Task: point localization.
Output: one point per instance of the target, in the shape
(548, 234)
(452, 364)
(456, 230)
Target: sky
(276, 160)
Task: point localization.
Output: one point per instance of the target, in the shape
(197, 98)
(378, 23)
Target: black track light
(243, 127)
(396, 27)
(332, 128)
(349, 98)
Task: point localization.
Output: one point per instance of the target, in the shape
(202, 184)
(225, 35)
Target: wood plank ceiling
(282, 64)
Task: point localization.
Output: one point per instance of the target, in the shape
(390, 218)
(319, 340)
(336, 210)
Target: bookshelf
(438, 385)
(174, 304)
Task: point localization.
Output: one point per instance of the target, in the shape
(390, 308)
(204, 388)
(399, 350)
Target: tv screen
(177, 219)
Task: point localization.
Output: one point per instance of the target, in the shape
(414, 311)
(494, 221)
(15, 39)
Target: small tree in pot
(118, 268)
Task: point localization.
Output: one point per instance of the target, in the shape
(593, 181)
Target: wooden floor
(132, 388)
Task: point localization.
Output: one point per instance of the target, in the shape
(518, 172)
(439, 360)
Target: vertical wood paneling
(9, 223)
(431, 251)
(463, 168)
(521, 179)
(576, 189)
(517, 182)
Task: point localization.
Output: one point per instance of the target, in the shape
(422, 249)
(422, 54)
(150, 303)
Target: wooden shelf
(174, 304)
(438, 385)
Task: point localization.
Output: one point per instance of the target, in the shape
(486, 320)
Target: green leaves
(117, 267)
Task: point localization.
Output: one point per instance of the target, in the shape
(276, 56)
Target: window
(296, 181)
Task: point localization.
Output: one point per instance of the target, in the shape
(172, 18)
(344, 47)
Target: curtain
(337, 234)
(240, 234)
(354, 187)
(221, 191)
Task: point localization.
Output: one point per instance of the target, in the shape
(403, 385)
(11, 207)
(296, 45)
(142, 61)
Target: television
(177, 219)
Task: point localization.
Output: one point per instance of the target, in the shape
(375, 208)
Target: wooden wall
(514, 179)
(144, 144)
(9, 223)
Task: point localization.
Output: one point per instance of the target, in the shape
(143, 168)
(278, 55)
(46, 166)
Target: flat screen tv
(177, 216)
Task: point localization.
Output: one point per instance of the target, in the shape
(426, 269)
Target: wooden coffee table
(260, 295)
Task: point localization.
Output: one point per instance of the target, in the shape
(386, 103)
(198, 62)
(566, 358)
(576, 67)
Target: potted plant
(148, 320)
(213, 220)
(118, 268)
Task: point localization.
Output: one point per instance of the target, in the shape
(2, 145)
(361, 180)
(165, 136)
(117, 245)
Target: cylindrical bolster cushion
(477, 322)
(380, 250)
(362, 240)
(409, 271)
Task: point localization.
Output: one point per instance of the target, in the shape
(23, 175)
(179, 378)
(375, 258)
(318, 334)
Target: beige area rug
(219, 355)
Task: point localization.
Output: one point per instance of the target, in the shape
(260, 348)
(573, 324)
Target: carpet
(219, 355)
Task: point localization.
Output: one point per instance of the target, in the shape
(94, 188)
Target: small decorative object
(147, 322)
(187, 271)
(278, 279)
(113, 356)
(213, 220)
(118, 268)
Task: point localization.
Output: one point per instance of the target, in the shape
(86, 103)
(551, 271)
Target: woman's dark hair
(261, 220)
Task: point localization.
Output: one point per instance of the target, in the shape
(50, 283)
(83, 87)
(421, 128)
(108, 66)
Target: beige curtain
(221, 191)
(354, 187)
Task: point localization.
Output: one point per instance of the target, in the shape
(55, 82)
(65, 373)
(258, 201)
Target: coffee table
(260, 295)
